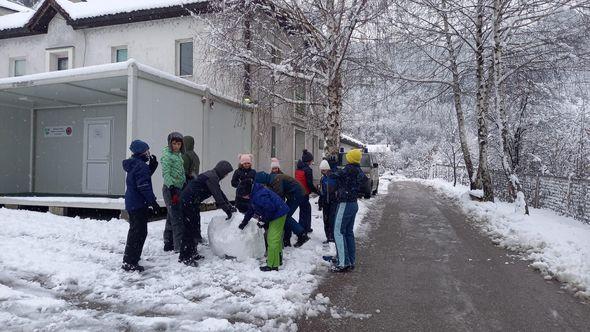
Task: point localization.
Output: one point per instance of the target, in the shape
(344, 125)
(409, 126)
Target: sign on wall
(58, 131)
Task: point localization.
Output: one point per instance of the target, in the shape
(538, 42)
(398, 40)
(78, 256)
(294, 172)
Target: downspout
(131, 102)
(205, 139)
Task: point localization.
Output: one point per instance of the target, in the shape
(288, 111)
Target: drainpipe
(131, 102)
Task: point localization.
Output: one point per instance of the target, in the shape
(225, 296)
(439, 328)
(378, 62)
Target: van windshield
(365, 160)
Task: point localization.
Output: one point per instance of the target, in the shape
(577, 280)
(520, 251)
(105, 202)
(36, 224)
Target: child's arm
(235, 179)
(144, 184)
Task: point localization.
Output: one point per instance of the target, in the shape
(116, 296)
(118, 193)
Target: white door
(97, 155)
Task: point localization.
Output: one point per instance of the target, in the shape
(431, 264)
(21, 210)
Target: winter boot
(168, 246)
(340, 269)
(189, 262)
(281, 259)
(301, 240)
(132, 267)
(268, 268)
(286, 243)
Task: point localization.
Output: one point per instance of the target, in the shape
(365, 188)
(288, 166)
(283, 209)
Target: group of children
(271, 198)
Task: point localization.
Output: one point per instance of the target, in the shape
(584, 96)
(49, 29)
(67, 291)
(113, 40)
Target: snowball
(226, 239)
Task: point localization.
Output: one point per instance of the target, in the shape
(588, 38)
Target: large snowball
(226, 239)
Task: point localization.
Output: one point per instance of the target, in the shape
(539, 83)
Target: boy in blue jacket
(327, 201)
(140, 201)
(271, 211)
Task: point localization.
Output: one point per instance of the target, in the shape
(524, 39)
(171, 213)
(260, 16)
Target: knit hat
(274, 162)
(245, 158)
(325, 166)
(244, 188)
(138, 147)
(306, 157)
(354, 156)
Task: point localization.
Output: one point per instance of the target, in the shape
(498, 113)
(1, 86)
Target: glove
(233, 209)
(175, 199)
(243, 225)
(261, 224)
(154, 208)
(153, 163)
(229, 214)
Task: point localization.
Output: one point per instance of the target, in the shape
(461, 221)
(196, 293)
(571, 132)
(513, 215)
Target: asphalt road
(423, 267)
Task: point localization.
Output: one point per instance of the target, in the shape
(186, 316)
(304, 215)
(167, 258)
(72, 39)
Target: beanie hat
(138, 147)
(174, 136)
(244, 188)
(325, 166)
(306, 157)
(274, 162)
(245, 158)
(354, 156)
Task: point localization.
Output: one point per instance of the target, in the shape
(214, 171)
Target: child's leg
(274, 238)
(333, 209)
(136, 236)
(168, 238)
(348, 230)
(338, 236)
(177, 224)
(305, 214)
(191, 216)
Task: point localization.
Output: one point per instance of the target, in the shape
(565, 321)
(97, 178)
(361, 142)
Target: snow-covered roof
(94, 8)
(351, 140)
(14, 6)
(15, 20)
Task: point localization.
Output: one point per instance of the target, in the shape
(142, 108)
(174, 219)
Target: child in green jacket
(174, 181)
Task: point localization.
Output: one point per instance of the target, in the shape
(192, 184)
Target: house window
(119, 54)
(299, 144)
(18, 67)
(184, 58)
(60, 59)
(300, 95)
(273, 142)
(315, 146)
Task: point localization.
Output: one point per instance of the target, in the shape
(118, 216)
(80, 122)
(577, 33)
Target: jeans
(291, 225)
(174, 226)
(136, 235)
(344, 233)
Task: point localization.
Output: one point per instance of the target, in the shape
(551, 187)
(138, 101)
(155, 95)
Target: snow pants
(291, 225)
(191, 217)
(274, 238)
(329, 213)
(174, 226)
(305, 214)
(344, 234)
(136, 235)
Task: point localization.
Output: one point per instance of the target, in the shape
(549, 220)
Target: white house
(66, 67)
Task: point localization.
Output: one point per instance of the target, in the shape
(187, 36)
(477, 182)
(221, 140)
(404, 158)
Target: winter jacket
(190, 158)
(172, 168)
(241, 174)
(281, 184)
(349, 179)
(206, 185)
(328, 190)
(265, 204)
(304, 174)
(139, 193)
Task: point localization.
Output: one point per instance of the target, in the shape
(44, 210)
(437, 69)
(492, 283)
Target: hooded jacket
(349, 180)
(281, 184)
(304, 174)
(190, 158)
(242, 174)
(139, 193)
(265, 204)
(206, 185)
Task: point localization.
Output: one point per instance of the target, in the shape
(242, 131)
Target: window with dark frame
(121, 55)
(185, 58)
(62, 63)
(19, 67)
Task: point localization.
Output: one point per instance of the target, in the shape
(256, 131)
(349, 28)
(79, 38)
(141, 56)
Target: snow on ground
(61, 273)
(558, 246)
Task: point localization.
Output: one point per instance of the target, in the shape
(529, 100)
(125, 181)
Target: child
(199, 189)
(271, 211)
(174, 180)
(304, 174)
(191, 160)
(243, 172)
(275, 166)
(140, 201)
(287, 188)
(349, 181)
(327, 202)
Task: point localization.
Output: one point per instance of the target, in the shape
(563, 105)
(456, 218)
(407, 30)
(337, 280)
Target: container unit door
(97, 155)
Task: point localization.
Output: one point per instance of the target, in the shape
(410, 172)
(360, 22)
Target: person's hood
(188, 143)
(262, 177)
(129, 164)
(174, 136)
(256, 188)
(223, 168)
(301, 164)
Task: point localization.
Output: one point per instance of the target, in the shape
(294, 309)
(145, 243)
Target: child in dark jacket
(327, 202)
(349, 179)
(244, 171)
(271, 211)
(140, 201)
(304, 174)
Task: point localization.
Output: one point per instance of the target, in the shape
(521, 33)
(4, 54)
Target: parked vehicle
(371, 169)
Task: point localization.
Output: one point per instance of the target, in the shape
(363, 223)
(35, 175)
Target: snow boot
(268, 268)
(189, 262)
(168, 246)
(301, 240)
(340, 269)
(132, 267)
(286, 243)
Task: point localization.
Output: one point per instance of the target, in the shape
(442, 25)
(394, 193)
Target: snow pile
(62, 273)
(558, 246)
(94, 8)
(226, 239)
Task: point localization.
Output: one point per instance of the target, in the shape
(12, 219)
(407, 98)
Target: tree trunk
(332, 129)
(481, 106)
(514, 186)
(457, 100)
